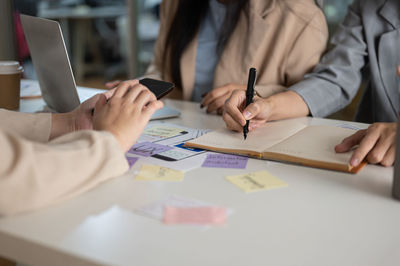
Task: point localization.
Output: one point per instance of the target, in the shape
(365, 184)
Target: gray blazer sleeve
(336, 79)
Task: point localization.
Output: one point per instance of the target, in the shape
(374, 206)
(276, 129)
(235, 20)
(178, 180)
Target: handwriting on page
(163, 131)
(148, 148)
(225, 161)
(261, 180)
(158, 173)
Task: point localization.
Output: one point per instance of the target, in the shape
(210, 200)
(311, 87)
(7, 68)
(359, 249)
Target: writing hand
(235, 113)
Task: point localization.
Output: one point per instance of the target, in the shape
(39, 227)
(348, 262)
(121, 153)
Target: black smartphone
(158, 87)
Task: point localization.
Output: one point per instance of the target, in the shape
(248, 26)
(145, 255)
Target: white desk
(321, 218)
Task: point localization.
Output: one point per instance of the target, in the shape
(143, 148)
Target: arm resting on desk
(34, 175)
(34, 127)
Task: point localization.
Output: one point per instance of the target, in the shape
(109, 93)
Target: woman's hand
(282, 105)
(78, 119)
(235, 114)
(376, 144)
(126, 113)
(215, 99)
(81, 118)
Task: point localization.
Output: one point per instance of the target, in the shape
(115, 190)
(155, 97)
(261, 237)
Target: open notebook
(286, 140)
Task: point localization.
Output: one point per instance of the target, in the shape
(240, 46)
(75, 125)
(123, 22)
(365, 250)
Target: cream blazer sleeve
(34, 174)
(35, 127)
(302, 57)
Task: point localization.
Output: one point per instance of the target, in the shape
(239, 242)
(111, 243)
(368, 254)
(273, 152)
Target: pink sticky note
(208, 215)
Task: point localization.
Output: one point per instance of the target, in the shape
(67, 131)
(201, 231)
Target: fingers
(218, 103)
(388, 159)
(133, 92)
(110, 93)
(214, 94)
(101, 102)
(376, 144)
(232, 105)
(112, 84)
(255, 124)
(350, 141)
(143, 98)
(252, 110)
(398, 71)
(90, 103)
(123, 88)
(152, 107)
(378, 152)
(231, 123)
(366, 144)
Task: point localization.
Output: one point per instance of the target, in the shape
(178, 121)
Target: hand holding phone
(158, 87)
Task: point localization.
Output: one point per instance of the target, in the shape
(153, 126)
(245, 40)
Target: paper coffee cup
(10, 84)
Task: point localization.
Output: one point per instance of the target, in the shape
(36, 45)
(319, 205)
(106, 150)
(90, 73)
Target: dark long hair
(186, 24)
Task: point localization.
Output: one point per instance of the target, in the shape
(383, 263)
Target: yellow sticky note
(261, 180)
(162, 131)
(154, 172)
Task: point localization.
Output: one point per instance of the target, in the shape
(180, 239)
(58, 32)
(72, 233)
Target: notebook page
(316, 143)
(257, 141)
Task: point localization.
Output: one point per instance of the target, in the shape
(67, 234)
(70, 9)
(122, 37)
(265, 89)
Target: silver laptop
(53, 68)
(51, 63)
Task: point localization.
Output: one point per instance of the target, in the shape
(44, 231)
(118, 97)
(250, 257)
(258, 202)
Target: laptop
(53, 69)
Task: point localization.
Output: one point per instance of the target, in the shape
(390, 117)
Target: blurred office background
(109, 39)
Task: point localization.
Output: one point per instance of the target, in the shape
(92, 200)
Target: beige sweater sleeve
(308, 48)
(34, 127)
(34, 175)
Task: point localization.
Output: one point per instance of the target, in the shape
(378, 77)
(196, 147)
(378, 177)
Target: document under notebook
(287, 141)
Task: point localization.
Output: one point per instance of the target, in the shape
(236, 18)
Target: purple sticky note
(225, 161)
(131, 160)
(148, 148)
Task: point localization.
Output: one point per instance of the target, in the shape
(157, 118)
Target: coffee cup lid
(10, 67)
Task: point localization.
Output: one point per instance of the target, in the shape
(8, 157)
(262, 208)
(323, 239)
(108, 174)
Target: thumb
(91, 102)
(251, 111)
(101, 102)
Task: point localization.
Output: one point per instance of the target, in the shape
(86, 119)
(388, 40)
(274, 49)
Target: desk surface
(321, 218)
